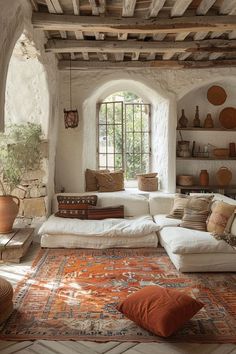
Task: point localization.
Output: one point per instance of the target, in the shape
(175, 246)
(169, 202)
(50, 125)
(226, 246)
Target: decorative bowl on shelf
(221, 152)
(228, 118)
(185, 180)
(216, 95)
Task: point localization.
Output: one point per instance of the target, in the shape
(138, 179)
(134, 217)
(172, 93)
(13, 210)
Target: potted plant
(19, 153)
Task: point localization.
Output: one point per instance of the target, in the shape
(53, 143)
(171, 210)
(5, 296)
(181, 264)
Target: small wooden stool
(6, 295)
(14, 246)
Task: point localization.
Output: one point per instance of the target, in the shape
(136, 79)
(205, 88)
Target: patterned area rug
(72, 294)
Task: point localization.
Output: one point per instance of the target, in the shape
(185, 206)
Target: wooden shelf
(207, 129)
(207, 158)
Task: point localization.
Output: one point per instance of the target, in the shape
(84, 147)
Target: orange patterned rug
(72, 294)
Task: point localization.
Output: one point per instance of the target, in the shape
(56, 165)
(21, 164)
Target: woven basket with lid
(147, 182)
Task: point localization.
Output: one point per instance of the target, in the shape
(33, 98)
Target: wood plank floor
(15, 272)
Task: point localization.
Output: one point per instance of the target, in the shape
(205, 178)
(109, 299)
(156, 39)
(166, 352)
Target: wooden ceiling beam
(76, 8)
(155, 7)
(204, 6)
(153, 64)
(179, 8)
(133, 25)
(54, 7)
(73, 46)
(228, 7)
(128, 8)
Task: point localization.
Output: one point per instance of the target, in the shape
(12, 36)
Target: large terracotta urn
(9, 207)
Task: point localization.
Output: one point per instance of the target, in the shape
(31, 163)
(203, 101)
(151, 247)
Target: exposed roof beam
(54, 7)
(205, 6)
(34, 5)
(98, 6)
(180, 7)
(128, 8)
(154, 64)
(155, 7)
(73, 46)
(76, 8)
(228, 7)
(133, 25)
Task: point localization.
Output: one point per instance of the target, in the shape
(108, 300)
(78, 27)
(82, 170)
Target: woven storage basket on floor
(147, 182)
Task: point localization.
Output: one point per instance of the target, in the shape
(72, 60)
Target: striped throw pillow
(194, 219)
(75, 206)
(96, 213)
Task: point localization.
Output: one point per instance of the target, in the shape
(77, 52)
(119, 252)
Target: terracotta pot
(204, 178)
(9, 207)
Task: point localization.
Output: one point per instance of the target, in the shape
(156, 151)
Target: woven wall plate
(228, 118)
(216, 95)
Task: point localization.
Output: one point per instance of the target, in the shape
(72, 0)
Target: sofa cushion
(184, 201)
(194, 219)
(162, 221)
(221, 213)
(90, 179)
(160, 203)
(74, 206)
(182, 241)
(134, 204)
(160, 310)
(110, 182)
(97, 213)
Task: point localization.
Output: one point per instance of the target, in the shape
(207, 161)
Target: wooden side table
(14, 246)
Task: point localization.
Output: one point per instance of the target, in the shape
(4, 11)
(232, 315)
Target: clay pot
(224, 176)
(183, 121)
(9, 207)
(204, 178)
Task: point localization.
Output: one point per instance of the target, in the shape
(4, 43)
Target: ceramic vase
(9, 207)
(204, 178)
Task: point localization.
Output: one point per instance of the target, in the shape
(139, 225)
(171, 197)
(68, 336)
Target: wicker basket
(147, 182)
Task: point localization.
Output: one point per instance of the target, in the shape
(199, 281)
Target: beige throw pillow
(191, 202)
(110, 182)
(90, 179)
(221, 213)
(194, 219)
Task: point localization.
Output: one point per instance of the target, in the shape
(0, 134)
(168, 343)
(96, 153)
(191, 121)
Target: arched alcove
(27, 95)
(163, 109)
(218, 139)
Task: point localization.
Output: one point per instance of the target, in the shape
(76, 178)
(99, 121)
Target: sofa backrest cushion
(160, 203)
(134, 204)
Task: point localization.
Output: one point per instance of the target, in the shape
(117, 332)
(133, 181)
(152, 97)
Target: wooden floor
(15, 272)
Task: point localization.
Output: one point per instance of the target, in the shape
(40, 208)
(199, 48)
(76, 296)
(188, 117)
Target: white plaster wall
(219, 139)
(32, 85)
(76, 148)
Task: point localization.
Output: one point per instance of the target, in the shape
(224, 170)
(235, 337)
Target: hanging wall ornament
(71, 117)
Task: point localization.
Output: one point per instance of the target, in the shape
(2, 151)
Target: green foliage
(19, 153)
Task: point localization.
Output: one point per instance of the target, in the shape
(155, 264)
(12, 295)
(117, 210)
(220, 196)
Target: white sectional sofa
(189, 250)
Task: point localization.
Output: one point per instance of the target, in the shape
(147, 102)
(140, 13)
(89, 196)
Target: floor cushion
(6, 295)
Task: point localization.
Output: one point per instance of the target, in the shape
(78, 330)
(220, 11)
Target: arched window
(124, 134)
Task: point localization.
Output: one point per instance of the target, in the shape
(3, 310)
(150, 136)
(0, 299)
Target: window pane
(129, 167)
(110, 113)
(129, 117)
(137, 164)
(145, 163)
(110, 139)
(129, 142)
(118, 139)
(118, 161)
(102, 138)
(102, 160)
(137, 143)
(145, 118)
(118, 112)
(145, 143)
(102, 114)
(137, 118)
(110, 159)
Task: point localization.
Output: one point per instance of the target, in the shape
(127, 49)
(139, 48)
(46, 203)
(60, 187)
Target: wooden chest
(14, 246)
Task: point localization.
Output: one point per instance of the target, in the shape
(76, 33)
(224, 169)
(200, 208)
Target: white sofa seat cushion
(135, 227)
(75, 241)
(162, 221)
(184, 241)
(134, 204)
